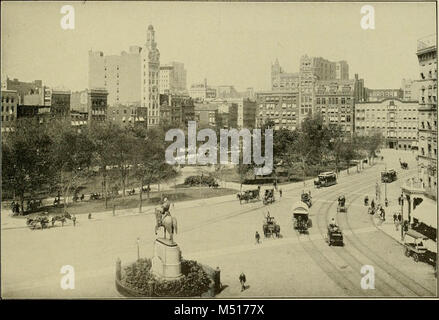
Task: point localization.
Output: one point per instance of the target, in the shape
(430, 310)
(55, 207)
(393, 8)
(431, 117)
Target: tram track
(397, 275)
(321, 258)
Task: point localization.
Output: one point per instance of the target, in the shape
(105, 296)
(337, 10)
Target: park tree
(72, 152)
(103, 136)
(27, 161)
(149, 159)
(312, 142)
(372, 143)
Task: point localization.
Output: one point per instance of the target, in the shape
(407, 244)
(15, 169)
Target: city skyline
(227, 43)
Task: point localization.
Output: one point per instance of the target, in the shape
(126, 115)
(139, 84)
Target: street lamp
(138, 249)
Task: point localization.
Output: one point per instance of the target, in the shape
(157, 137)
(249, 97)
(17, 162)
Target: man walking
(257, 237)
(242, 280)
(280, 193)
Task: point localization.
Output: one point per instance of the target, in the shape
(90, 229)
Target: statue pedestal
(166, 263)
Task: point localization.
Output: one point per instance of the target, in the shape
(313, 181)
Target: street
(221, 233)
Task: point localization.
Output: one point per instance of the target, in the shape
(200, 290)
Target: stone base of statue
(166, 263)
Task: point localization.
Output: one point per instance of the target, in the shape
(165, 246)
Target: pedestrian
(372, 204)
(257, 237)
(386, 203)
(89, 215)
(242, 280)
(280, 193)
(74, 220)
(382, 214)
(395, 217)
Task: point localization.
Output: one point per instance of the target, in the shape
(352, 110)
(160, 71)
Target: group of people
(15, 207)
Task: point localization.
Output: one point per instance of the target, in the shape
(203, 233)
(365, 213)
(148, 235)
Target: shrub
(194, 282)
(197, 180)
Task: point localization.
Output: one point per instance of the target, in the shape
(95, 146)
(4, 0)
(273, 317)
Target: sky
(227, 43)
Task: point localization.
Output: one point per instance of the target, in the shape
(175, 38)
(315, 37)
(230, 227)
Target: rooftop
(427, 42)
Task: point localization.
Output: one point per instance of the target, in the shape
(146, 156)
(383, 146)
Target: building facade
(60, 103)
(206, 115)
(396, 119)
(335, 101)
(172, 78)
(150, 96)
(10, 101)
(177, 109)
(427, 156)
(281, 80)
(24, 88)
(281, 108)
(381, 94)
(118, 74)
(131, 77)
(410, 90)
(201, 91)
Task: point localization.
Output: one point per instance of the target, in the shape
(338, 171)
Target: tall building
(334, 100)
(281, 108)
(242, 113)
(281, 80)
(150, 96)
(410, 90)
(396, 119)
(360, 91)
(118, 74)
(172, 78)
(427, 57)
(341, 70)
(131, 77)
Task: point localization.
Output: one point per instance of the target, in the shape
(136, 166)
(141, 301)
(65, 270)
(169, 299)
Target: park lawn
(131, 202)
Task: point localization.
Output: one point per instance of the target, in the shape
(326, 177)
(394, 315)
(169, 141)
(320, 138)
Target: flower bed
(137, 280)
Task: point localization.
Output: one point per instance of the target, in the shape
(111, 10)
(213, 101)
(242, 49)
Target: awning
(426, 213)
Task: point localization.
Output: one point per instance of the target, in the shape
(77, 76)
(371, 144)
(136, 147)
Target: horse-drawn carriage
(388, 176)
(334, 236)
(270, 227)
(301, 220)
(269, 196)
(306, 197)
(38, 221)
(248, 195)
(342, 204)
(404, 165)
(43, 219)
(414, 245)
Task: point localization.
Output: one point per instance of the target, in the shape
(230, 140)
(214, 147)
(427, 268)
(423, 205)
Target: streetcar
(326, 179)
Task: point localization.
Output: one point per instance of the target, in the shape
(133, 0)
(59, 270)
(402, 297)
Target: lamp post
(138, 249)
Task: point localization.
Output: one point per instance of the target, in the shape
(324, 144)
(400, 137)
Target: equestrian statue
(165, 220)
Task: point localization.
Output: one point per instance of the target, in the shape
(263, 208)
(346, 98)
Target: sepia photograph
(215, 150)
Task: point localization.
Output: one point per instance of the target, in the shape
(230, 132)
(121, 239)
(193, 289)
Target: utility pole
(402, 217)
(138, 249)
(385, 187)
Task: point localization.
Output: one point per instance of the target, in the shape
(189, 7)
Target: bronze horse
(169, 223)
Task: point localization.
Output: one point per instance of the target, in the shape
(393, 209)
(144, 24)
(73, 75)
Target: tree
(372, 143)
(103, 137)
(27, 162)
(311, 143)
(149, 158)
(72, 153)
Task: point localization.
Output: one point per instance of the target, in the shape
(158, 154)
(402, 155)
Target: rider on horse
(165, 208)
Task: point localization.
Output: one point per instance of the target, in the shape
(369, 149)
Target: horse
(168, 223)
